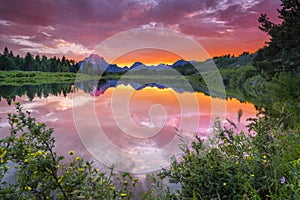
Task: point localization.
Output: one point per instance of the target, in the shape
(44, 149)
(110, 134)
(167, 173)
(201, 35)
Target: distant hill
(95, 64)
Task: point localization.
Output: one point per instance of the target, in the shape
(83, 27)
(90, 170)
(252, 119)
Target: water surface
(127, 125)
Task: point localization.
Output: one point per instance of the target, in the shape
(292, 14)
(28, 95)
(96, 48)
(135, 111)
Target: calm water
(131, 126)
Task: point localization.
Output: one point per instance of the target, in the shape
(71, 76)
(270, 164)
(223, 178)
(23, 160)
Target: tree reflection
(10, 92)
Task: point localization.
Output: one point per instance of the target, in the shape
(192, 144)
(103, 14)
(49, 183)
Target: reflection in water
(54, 105)
(9, 92)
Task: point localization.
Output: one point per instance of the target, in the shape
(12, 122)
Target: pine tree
(28, 64)
(283, 51)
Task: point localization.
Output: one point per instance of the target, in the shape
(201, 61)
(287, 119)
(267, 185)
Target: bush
(42, 174)
(238, 166)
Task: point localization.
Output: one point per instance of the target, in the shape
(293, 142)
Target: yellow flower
(71, 153)
(28, 188)
(123, 194)
(112, 187)
(80, 169)
(264, 156)
(97, 170)
(264, 161)
(77, 158)
(224, 184)
(252, 175)
(56, 166)
(26, 160)
(135, 179)
(236, 163)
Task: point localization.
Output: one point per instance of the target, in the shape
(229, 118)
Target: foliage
(283, 94)
(283, 51)
(264, 165)
(42, 174)
(224, 61)
(10, 62)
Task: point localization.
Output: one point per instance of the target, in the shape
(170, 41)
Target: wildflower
(264, 161)
(135, 179)
(264, 156)
(77, 158)
(97, 170)
(71, 153)
(224, 184)
(28, 188)
(26, 160)
(282, 180)
(252, 175)
(80, 169)
(123, 194)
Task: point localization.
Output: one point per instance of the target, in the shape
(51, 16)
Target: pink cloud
(87, 23)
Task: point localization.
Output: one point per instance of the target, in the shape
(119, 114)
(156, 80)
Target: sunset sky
(74, 28)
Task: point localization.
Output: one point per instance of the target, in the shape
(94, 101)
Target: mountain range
(97, 63)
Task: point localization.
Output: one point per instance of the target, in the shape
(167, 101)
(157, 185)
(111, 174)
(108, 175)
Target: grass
(18, 78)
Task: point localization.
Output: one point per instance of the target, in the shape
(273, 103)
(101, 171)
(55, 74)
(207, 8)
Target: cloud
(84, 24)
(6, 23)
(60, 46)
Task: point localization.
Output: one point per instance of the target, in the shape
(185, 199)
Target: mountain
(180, 63)
(95, 64)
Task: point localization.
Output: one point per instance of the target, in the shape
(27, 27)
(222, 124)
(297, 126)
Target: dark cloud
(87, 23)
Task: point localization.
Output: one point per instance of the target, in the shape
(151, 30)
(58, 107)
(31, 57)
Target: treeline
(8, 61)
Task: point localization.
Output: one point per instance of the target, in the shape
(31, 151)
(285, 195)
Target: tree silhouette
(283, 51)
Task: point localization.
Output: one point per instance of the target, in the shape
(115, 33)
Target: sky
(74, 28)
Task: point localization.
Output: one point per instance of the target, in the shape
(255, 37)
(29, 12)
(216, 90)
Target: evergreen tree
(283, 51)
(28, 64)
(6, 52)
(6, 61)
(10, 62)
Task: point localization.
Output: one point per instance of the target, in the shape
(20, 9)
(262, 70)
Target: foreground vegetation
(42, 174)
(265, 165)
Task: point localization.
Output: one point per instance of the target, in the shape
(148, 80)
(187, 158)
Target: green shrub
(42, 174)
(237, 166)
